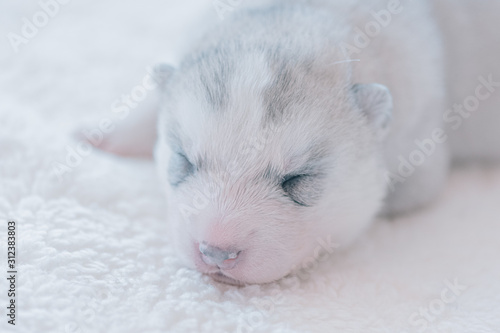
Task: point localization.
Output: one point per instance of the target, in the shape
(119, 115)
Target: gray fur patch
(215, 70)
(287, 88)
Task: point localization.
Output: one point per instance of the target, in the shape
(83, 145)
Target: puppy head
(262, 157)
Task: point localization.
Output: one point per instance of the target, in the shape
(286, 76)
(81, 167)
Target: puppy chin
(219, 277)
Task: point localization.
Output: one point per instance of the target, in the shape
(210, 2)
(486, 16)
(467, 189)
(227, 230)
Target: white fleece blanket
(93, 254)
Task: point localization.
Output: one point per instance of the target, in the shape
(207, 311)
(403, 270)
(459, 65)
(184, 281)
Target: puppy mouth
(220, 277)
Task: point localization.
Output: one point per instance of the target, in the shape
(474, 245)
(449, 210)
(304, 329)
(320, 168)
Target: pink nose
(214, 256)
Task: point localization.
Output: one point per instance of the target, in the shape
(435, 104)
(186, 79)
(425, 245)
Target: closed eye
(300, 188)
(179, 168)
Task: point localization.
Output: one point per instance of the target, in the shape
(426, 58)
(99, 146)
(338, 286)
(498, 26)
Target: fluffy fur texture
(94, 254)
(278, 128)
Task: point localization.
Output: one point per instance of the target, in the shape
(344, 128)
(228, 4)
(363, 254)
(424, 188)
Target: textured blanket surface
(92, 250)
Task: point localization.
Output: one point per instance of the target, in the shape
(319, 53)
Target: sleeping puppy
(297, 121)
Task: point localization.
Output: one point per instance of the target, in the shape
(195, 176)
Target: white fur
(225, 132)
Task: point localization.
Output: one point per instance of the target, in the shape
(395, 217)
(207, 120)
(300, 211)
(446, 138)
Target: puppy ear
(161, 74)
(375, 101)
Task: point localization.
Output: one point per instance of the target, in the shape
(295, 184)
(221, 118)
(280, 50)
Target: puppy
(295, 121)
